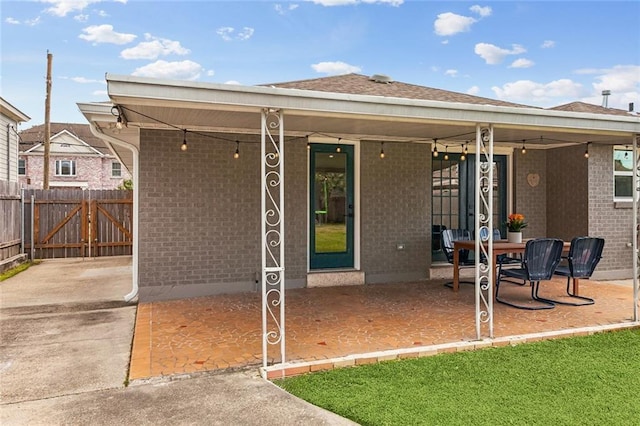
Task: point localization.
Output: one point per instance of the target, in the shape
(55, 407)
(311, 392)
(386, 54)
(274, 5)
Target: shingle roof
(358, 84)
(35, 135)
(585, 107)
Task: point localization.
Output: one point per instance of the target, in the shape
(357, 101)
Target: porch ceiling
(150, 103)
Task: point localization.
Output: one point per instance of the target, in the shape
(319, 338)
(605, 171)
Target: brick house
(217, 142)
(78, 159)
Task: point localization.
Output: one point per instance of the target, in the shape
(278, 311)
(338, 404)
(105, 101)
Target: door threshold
(334, 277)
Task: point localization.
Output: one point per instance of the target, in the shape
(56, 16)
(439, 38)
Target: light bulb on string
(523, 150)
(184, 147)
(381, 149)
(236, 154)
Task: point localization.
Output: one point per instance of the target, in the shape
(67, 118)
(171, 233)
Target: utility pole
(47, 124)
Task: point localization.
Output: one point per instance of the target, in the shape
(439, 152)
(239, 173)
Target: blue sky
(543, 53)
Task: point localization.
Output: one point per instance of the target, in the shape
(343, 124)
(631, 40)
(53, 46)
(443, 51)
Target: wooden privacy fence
(78, 223)
(10, 237)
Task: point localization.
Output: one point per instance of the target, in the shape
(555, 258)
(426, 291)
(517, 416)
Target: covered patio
(334, 327)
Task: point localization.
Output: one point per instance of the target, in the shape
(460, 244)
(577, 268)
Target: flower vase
(514, 237)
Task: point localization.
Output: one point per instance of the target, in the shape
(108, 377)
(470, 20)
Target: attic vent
(65, 145)
(381, 78)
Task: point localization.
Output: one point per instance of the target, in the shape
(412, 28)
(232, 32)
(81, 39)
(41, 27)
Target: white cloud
(227, 33)
(105, 34)
(452, 73)
(64, 7)
(351, 2)
(237, 83)
(449, 24)
(32, 22)
(28, 22)
(83, 80)
(183, 70)
(494, 55)
(521, 63)
(153, 48)
(102, 14)
(81, 18)
(12, 21)
(335, 68)
(622, 80)
(530, 92)
(210, 73)
(548, 44)
(282, 10)
(246, 33)
(482, 11)
(102, 93)
(473, 90)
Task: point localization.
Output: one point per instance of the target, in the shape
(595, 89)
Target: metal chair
(448, 237)
(539, 261)
(584, 255)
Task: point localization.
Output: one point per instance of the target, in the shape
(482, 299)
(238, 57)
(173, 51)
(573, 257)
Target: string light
(381, 149)
(435, 148)
(466, 150)
(524, 150)
(236, 154)
(338, 149)
(446, 154)
(586, 151)
(184, 141)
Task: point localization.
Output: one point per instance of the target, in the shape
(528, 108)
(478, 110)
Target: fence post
(33, 231)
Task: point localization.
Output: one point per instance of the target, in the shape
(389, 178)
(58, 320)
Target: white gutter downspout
(110, 139)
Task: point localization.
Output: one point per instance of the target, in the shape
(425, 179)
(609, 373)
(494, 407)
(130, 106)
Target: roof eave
(144, 91)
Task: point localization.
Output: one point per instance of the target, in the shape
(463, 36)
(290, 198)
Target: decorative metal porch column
(636, 253)
(273, 284)
(484, 229)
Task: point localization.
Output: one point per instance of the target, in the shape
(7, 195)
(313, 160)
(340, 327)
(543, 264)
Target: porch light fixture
(236, 154)
(184, 141)
(435, 148)
(586, 151)
(338, 149)
(524, 149)
(381, 149)
(120, 122)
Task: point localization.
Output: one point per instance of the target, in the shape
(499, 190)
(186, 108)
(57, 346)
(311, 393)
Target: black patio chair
(448, 237)
(584, 255)
(539, 261)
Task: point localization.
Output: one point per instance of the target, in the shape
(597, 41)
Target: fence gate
(77, 223)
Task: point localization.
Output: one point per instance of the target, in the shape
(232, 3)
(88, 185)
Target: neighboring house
(10, 117)
(205, 216)
(77, 159)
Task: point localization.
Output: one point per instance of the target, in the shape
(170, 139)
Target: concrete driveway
(65, 345)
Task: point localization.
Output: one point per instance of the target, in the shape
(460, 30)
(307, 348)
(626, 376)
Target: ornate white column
(483, 229)
(273, 283)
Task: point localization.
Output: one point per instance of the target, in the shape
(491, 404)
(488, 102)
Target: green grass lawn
(592, 380)
(331, 238)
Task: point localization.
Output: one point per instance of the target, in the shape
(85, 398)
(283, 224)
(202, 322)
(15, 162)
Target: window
(22, 167)
(65, 168)
(116, 169)
(622, 174)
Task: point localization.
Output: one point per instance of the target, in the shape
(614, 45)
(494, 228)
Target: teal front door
(331, 206)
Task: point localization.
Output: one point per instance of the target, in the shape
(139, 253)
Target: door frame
(356, 198)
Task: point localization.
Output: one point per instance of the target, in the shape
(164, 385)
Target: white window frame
(618, 173)
(23, 168)
(60, 165)
(113, 170)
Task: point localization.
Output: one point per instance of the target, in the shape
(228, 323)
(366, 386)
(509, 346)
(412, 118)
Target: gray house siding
(567, 193)
(396, 209)
(531, 201)
(200, 211)
(607, 219)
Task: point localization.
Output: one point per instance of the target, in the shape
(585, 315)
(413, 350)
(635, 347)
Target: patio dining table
(499, 247)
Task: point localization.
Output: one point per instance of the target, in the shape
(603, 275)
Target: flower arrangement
(516, 222)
